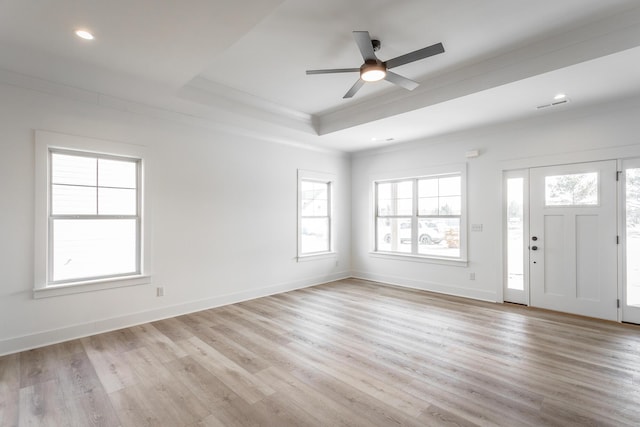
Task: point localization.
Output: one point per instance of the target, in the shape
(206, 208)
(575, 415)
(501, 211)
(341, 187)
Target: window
(632, 236)
(515, 216)
(421, 216)
(572, 190)
(515, 233)
(315, 222)
(89, 215)
(94, 217)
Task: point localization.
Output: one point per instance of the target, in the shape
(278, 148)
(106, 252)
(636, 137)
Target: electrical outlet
(472, 276)
(160, 291)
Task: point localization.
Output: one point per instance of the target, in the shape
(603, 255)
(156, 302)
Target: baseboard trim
(424, 285)
(55, 336)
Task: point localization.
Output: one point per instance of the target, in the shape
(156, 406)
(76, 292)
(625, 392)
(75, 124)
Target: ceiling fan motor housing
(373, 70)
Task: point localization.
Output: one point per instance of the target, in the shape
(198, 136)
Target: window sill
(420, 258)
(318, 256)
(90, 286)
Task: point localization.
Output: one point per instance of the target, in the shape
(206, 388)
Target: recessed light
(560, 96)
(84, 34)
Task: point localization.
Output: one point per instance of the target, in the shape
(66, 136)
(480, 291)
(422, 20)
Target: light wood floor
(345, 353)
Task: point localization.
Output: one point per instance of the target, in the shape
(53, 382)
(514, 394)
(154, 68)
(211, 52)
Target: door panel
(587, 268)
(554, 267)
(573, 248)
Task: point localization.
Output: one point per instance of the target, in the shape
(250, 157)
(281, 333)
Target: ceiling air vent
(553, 104)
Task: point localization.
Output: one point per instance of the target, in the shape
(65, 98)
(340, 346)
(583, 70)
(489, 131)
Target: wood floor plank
(91, 409)
(436, 416)
(136, 408)
(321, 407)
(37, 366)
(43, 404)
(173, 329)
(9, 389)
(369, 409)
(205, 386)
(162, 347)
(112, 370)
(250, 388)
(235, 352)
(77, 375)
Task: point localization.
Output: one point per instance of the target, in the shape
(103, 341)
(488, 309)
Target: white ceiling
(244, 61)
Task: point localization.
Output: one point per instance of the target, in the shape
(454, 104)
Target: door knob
(534, 248)
(534, 238)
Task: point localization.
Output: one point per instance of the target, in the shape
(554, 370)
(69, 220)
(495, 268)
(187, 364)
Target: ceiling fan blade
(363, 40)
(416, 55)
(356, 87)
(334, 70)
(404, 82)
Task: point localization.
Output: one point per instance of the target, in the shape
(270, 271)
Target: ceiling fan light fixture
(373, 72)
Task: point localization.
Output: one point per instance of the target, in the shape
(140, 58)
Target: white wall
(223, 218)
(555, 137)
(224, 208)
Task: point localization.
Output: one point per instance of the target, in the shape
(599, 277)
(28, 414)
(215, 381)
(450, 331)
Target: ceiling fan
(374, 70)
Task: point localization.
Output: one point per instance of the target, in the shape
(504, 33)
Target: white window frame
(45, 144)
(415, 175)
(330, 180)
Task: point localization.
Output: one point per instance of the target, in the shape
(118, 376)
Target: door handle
(534, 248)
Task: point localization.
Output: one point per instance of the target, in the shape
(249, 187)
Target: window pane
(428, 187)
(320, 208)
(574, 189)
(384, 191)
(315, 198)
(69, 199)
(404, 206)
(384, 207)
(405, 189)
(117, 173)
(76, 170)
(314, 235)
(307, 198)
(450, 205)
(394, 235)
(92, 248)
(515, 233)
(632, 183)
(449, 186)
(395, 198)
(116, 201)
(439, 237)
(428, 206)
(403, 197)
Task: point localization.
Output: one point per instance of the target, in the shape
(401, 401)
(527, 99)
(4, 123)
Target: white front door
(572, 239)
